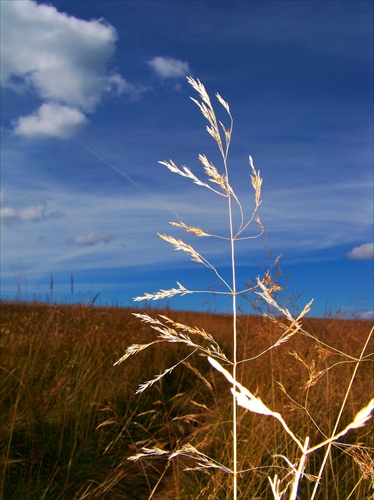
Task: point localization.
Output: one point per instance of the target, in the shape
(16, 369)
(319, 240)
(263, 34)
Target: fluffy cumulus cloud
(51, 120)
(362, 252)
(61, 58)
(85, 240)
(167, 67)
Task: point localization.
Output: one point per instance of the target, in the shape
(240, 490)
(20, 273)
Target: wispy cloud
(35, 213)
(362, 252)
(168, 67)
(32, 213)
(61, 58)
(90, 239)
(368, 315)
(357, 312)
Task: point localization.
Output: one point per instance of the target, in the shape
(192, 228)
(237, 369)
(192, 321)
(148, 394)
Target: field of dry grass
(69, 419)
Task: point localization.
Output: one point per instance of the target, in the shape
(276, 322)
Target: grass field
(69, 419)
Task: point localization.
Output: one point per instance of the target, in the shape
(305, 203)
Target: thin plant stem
(234, 326)
(234, 310)
(327, 453)
(300, 471)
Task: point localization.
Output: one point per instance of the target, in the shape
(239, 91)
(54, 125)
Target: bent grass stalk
(204, 343)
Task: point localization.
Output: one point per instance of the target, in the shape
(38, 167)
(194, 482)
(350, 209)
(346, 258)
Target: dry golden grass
(69, 420)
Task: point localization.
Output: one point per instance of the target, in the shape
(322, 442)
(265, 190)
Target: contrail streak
(110, 165)
(124, 174)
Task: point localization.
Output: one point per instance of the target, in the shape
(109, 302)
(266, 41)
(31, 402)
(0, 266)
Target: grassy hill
(69, 419)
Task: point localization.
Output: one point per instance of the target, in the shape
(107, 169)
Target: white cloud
(117, 84)
(91, 239)
(368, 315)
(167, 67)
(62, 58)
(51, 120)
(34, 213)
(362, 252)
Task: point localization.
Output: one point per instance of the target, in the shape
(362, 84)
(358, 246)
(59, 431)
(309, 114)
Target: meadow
(70, 420)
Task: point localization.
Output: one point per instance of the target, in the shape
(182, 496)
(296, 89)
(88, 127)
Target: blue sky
(94, 94)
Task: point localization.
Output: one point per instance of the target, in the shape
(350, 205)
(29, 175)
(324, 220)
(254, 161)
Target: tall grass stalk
(222, 137)
(348, 391)
(203, 343)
